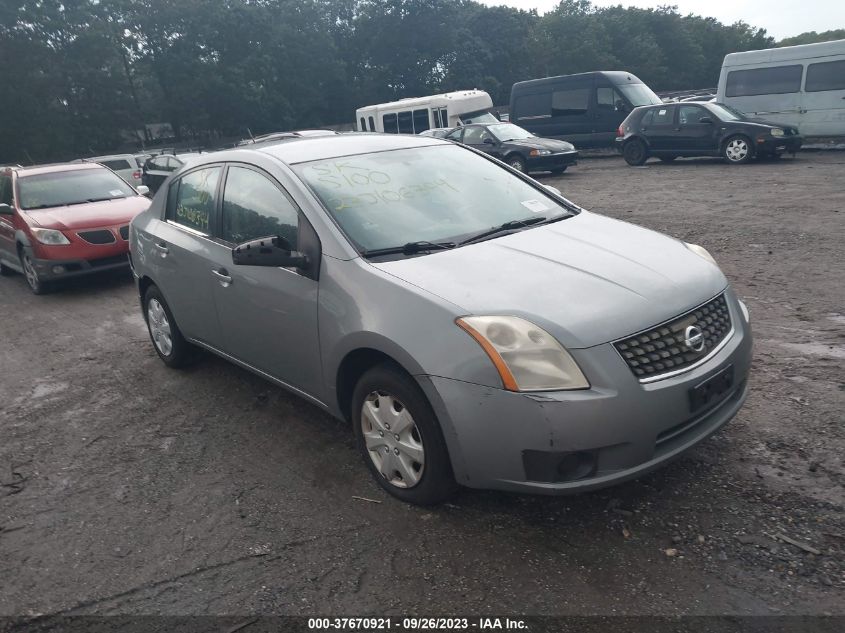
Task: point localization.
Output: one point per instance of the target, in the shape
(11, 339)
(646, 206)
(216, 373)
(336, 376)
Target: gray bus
(584, 109)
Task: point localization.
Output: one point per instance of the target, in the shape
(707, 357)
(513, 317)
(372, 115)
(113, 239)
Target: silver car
(475, 327)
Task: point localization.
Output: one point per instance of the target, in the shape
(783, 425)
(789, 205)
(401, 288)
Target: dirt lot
(131, 488)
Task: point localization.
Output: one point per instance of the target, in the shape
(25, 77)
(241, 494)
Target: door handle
(223, 276)
(161, 247)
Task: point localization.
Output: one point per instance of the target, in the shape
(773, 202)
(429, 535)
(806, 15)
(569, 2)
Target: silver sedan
(475, 327)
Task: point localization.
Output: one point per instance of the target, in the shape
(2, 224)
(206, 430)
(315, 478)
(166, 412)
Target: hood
(543, 143)
(587, 280)
(762, 126)
(89, 215)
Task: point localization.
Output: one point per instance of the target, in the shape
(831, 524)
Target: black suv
(517, 147)
(670, 130)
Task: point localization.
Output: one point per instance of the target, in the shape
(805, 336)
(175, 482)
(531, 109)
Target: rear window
(66, 188)
(764, 81)
(533, 106)
(116, 164)
(570, 102)
(825, 76)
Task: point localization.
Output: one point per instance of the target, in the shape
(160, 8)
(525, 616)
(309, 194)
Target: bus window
(372, 125)
(406, 123)
(435, 113)
(774, 80)
(363, 126)
(420, 121)
(389, 122)
(444, 117)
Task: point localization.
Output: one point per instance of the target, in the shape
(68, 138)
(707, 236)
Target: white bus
(417, 114)
(801, 86)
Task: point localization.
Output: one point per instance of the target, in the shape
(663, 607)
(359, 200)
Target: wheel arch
(751, 145)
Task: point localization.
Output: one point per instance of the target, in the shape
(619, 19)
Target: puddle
(817, 349)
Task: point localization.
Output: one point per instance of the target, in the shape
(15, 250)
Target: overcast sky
(780, 18)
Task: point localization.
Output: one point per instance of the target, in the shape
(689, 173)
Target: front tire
(167, 340)
(738, 150)
(400, 438)
(635, 152)
(517, 162)
(35, 283)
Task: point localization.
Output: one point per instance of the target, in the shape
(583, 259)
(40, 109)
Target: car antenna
(31, 162)
(248, 131)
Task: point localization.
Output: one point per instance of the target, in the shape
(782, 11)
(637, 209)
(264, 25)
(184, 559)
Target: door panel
(658, 126)
(691, 134)
(267, 315)
(180, 253)
(609, 110)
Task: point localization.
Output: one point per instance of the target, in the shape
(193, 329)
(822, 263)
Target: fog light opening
(576, 466)
(58, 270)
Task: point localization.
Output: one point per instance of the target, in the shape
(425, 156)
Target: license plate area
(712, 389)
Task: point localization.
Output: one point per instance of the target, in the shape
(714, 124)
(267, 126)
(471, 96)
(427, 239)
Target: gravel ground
(129, 488)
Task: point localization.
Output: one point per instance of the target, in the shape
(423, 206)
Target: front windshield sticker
(536, 206)
(662, 113)
(115, 192)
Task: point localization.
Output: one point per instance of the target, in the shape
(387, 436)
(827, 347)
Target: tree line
(78, 73)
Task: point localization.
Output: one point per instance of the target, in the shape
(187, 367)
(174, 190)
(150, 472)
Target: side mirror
(142, 189)
(6, 209)
(705, 119)
(268, 251)
(488, 141)
(621, 106)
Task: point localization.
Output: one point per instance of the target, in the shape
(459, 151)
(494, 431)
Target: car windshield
(509, 132)
(63, 188)
(639, 94)
(429, 194)
(726, 112)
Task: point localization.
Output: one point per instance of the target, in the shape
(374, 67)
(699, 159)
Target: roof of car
(36, 170)
(108, 157)
(321, 147)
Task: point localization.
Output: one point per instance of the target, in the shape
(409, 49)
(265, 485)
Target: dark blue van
(584, 109)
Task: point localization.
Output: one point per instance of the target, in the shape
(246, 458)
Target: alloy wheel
(29, 272)
(736, 150)
(159, 327)
(392, 439)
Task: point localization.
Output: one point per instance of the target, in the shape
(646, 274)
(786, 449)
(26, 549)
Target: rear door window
(195, 199)
(825, 76)
(6, 190)
(573, 102)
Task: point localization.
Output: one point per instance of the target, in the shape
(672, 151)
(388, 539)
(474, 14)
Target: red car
(59, 221)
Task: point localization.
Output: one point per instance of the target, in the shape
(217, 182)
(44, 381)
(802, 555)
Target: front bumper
(54, 269)
(572, 441)
(552, 161)
(779, 144)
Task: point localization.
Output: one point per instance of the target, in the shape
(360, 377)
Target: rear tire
(168, 342)
(400, 438)
(634, 152)
(738, 150)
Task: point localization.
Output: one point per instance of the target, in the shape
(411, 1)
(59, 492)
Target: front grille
(662, 349)
(108, 261)
(124, 232)
(98, 236)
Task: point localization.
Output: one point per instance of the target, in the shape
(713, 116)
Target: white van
(801, 86)
(418, 114)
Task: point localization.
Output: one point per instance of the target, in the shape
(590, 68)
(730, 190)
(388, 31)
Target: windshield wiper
(507, 226)
(411, 248)
(103, 199)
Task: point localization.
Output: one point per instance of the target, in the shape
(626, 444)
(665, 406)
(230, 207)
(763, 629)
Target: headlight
(701, 252)
(539, 152)
(527, 357)
(50, 237)
(776, 131)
